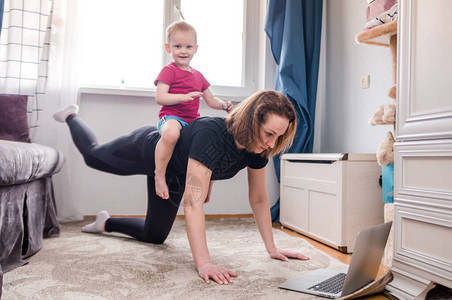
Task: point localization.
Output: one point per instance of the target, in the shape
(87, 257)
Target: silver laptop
(363, 269)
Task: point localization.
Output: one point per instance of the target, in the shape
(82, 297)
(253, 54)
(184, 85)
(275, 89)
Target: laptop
(363, 269)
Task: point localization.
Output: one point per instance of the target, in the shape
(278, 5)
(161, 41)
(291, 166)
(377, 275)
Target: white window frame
(257, 70)
(250, 38)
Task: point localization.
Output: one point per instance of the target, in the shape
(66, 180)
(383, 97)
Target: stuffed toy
(376, 118)
(384, 115)
(389, 113)
(392, 93)
(385, 151)
(380, 12)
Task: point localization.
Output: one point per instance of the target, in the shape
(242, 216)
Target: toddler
(179, 88)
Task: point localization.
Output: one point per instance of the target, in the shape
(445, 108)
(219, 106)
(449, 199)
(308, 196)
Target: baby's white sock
(62, 114)
(98, 225)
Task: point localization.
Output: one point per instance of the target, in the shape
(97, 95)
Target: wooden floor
(342, 257)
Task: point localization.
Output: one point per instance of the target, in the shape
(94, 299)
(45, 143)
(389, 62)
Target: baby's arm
(215, 102)
(163, 97)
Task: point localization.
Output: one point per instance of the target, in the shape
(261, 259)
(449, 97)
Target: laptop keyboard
(331, 285)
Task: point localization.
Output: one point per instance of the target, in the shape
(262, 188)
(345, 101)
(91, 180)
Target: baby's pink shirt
(182, 82)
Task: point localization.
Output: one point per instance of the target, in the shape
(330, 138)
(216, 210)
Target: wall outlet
(365, 81)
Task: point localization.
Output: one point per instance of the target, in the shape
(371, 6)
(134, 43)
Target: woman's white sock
(62, 114)
(98, 225)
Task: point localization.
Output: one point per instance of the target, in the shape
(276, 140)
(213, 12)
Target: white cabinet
(423, 150)
(330, 197)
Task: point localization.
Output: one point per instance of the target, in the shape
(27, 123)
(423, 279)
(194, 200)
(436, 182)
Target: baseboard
(231, 216)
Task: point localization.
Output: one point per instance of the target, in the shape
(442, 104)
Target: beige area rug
(78, 265)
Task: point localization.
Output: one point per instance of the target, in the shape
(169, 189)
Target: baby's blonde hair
(180, 26)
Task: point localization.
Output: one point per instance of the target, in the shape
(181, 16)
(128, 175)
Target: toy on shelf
(384, 115)
(385, 151)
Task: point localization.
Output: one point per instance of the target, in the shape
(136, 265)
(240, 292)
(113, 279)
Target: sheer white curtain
(38, 58)
(62, 90)
(24, 48)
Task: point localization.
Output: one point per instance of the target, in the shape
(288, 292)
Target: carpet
(78, 265)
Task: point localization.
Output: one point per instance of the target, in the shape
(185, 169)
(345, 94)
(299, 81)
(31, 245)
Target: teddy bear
(392, 92)
(384, 115)
(389, 114)
(385, 151)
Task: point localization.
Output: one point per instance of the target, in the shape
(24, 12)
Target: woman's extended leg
(159, 218)
(126, 156)
(122, 156)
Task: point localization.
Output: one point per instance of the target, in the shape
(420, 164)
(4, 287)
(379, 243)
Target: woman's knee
(155, 239)
(94, 162)
(90, 161)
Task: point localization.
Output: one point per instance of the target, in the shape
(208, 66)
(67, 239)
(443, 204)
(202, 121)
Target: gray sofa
(27, 204)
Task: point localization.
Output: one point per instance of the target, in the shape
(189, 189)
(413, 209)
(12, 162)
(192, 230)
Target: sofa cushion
(13, 118)
(26, 162)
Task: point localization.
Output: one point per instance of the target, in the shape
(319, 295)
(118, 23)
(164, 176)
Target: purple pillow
(13, 118)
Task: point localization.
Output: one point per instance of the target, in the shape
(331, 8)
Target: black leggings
(126, 155)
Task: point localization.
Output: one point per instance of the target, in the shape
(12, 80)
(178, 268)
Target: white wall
(347, 108)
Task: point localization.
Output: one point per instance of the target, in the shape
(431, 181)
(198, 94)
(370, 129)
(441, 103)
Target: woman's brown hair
(245, 121)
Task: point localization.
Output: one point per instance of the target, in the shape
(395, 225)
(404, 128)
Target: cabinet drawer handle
(325, 162)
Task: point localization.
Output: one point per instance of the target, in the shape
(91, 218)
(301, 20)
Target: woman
(208, 149)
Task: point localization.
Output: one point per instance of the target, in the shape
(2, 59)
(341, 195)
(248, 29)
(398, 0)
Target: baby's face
(182, 46)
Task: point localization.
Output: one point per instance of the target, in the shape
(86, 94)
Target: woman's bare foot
(161, 189)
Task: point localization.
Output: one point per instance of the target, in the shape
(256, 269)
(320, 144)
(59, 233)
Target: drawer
(423, 239)
(321, 171)
(424, 169)
(329, 169)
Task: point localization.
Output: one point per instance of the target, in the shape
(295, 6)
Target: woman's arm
(196, 191)
(163, 97)
(260, 205)
(215, 102)
(209, 193)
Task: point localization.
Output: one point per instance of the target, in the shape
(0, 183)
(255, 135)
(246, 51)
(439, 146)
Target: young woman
(208, 149)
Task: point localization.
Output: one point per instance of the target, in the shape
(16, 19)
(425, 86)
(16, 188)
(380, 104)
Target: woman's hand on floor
(219, 274)
(285, 255)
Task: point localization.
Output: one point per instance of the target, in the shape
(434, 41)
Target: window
(219, 38)
(123, 41)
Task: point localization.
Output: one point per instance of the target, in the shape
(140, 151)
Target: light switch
(365, 80)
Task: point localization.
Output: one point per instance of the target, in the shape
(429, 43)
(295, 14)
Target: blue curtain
(294, 29)
(2, 5)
